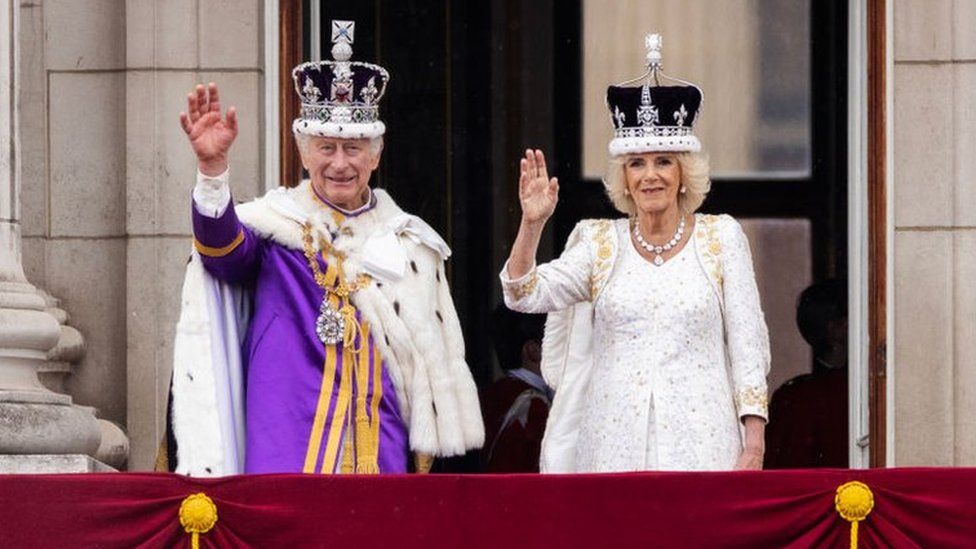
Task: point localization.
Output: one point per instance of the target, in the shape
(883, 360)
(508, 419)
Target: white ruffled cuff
(211, 195)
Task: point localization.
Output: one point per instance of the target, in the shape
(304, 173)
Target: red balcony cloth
(913, 508)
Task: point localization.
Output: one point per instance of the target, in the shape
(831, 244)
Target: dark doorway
(437, 109)
(475, 83)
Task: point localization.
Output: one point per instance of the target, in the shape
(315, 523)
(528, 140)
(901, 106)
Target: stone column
(33, 420)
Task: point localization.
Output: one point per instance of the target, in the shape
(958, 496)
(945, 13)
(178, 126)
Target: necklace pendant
(658, 260)
(330, 325)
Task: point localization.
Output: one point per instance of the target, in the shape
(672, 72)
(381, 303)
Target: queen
(655, 342)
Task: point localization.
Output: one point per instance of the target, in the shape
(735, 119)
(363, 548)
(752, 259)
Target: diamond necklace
(658, 250)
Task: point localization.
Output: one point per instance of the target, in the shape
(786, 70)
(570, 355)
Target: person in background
(517, 405)
(809, 426)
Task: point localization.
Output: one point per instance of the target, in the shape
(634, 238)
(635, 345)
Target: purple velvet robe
(283, 357)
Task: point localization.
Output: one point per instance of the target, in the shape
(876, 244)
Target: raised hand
(209, 133)
(538, 193)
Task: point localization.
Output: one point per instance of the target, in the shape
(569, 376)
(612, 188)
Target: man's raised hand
(210, 134)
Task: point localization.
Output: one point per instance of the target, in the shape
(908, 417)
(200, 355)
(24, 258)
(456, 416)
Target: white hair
(303, 139)
(694, 177)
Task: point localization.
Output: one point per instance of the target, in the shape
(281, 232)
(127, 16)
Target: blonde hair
(694, 177)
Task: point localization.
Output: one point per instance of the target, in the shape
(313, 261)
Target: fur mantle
(409, 307)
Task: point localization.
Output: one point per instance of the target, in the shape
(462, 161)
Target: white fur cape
(409, 307)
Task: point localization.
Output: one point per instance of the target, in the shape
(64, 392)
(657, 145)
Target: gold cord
(363, 432)
(341, 289)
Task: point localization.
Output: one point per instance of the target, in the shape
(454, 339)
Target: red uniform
(808, 422)
(515, 419)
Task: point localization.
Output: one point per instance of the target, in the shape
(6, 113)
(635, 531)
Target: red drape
(913, 508)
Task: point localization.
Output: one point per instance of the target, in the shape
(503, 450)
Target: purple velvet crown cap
(653, 118)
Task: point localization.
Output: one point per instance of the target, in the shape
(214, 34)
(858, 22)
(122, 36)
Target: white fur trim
(351, 130)
(637, 145)
(208, 389)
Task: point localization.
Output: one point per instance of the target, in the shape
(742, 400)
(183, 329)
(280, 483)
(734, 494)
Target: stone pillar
(934, 115)
(33, 419)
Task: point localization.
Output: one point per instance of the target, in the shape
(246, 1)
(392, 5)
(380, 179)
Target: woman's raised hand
(538, 193)
(209, 133)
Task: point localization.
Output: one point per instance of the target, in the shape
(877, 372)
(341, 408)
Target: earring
(683, 189)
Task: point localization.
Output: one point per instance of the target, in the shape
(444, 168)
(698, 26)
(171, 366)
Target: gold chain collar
(351, 326)
(341, 289)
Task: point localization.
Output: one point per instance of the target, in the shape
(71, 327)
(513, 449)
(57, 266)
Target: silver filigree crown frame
(650, 135)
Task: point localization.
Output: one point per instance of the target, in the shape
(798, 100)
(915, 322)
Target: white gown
(662, 394)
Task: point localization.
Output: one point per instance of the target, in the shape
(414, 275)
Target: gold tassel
(352, 329)
(348, 456)
(347, 448)
(365, 451)
(374, 428)
(198, 515)
(423, 462)
(853, 502)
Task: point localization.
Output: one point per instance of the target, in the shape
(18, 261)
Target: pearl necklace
(658, 250)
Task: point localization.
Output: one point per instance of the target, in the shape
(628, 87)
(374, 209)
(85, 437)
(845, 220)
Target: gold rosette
(854, 502)
(198, 515)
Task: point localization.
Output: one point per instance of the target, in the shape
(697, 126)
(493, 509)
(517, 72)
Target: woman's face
(653, 180)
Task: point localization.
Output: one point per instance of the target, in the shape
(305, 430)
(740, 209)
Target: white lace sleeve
(555, 285)
(747, 336)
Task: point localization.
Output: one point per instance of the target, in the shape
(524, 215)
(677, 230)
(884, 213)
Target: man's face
(340, 169)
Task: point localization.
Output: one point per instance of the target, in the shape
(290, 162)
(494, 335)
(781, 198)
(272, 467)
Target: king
(317, 332)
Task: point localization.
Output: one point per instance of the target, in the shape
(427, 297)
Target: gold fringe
(367, 468)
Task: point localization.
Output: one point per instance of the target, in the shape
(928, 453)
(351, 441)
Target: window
(751, 59)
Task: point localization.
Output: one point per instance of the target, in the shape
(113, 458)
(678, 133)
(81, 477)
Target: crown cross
(343, 31)
(647, 114)
(653, 44)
